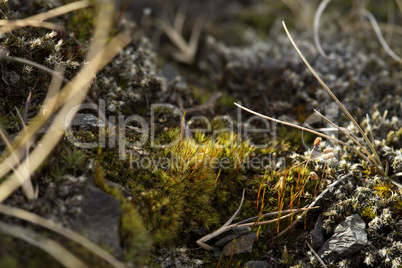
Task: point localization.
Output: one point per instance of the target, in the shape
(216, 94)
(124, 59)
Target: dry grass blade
(317, 17)
(305, 129)
(289, 211)
(49, 107)
(316, 255)
(54, 88)
(57, 228)
(43, 16)
(187, 51)
(377, 159)
(57, 77)
(27, 186)
(371, 160)
(51, 247)
(36, 65)
(31, 23)
(73, 94)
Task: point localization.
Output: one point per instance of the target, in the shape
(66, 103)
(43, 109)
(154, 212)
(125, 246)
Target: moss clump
(135, 238)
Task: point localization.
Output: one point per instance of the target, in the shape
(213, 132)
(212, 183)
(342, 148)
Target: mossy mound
(179, 177)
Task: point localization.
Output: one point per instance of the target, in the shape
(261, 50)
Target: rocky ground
(159, 167)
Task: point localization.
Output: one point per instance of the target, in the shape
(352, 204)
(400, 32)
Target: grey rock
(237, 231)
(87, 120)
(348, 238)
(257, 264)
(242, 230)
(217, 252)
(99, 219)
(224, 240)
(242, 244)
(80, 121)
(317, 235)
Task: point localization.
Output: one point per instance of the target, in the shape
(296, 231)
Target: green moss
(287, 258)
(368, 212)
(135, 238)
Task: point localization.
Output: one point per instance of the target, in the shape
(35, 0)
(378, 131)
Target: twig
(316, 255)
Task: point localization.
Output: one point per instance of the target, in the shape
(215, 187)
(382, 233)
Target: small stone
(348, 238)
(237, 231)
(257, 264)
(100, 219)
(87, 120)
(217, 252)
(241, 230)
(224, 240)
(317, 235)
(242, 244)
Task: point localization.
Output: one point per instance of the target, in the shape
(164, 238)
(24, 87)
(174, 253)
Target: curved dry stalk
(202, 240)
(57, 228)
(377, 158)
(317, 17)
(257, 223)
(51, 247)
(379, 35)
(306, 129)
